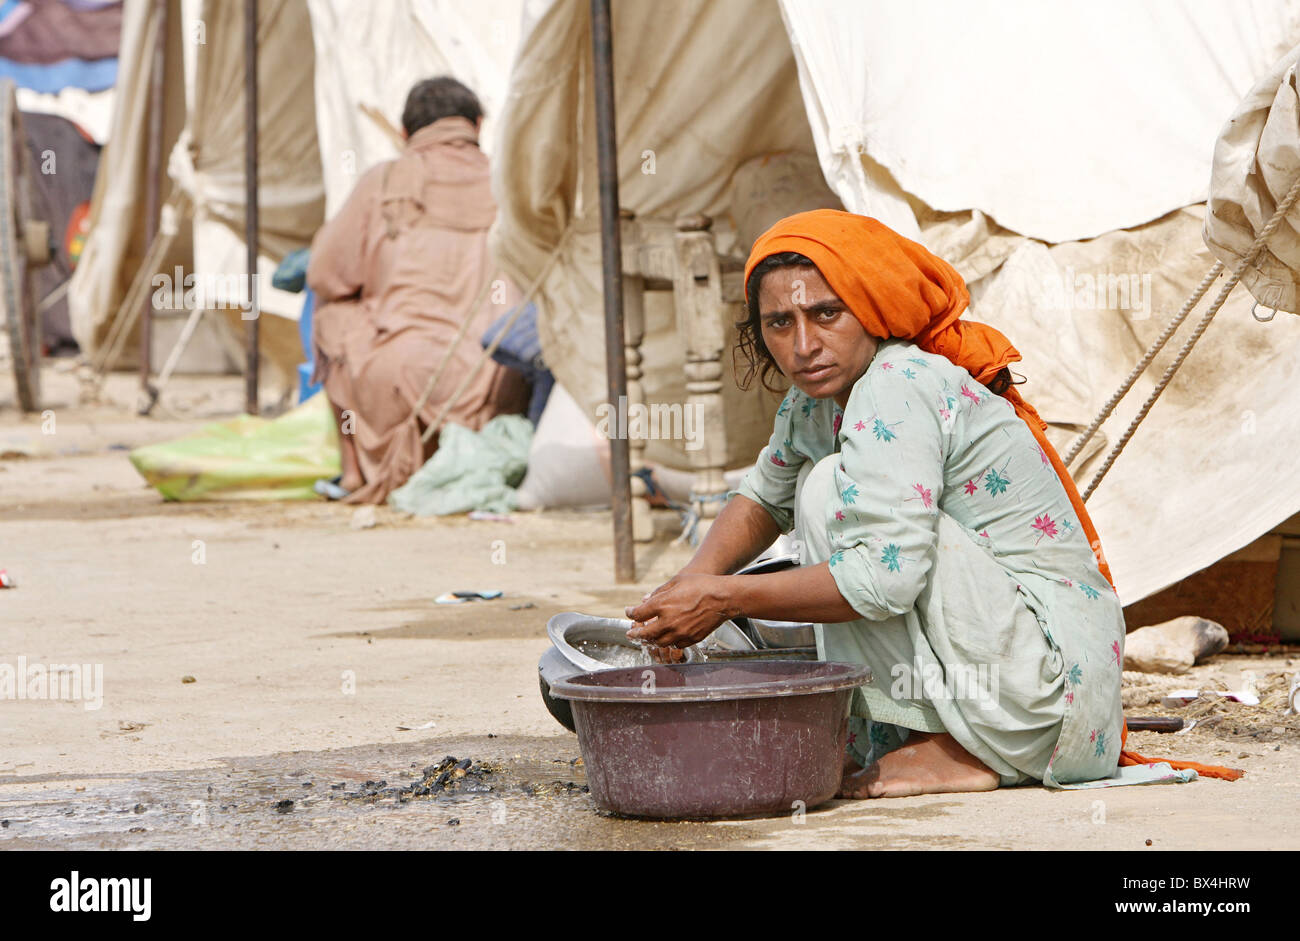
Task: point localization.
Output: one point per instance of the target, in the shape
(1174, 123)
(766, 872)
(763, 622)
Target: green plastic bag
(471, 470)
(247, 458)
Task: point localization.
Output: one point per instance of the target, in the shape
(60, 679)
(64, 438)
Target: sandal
(330, 489)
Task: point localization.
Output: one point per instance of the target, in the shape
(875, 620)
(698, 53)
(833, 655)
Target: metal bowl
(579, 641)
(592, 643)
(776, 635)
(783, 635)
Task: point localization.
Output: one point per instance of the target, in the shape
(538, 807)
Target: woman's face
(816, 341)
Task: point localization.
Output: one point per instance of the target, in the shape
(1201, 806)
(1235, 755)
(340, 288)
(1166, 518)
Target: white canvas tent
(319, 62)
(1059, 156)
(204, 153)
(372, 53)
(1053, 155)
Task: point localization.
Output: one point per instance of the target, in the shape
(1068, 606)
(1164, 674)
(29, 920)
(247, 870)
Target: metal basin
(776, 634)
(705, 740)
(582, 643)
(592, 643)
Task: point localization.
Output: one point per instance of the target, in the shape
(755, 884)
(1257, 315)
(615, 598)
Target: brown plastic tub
(702, 740)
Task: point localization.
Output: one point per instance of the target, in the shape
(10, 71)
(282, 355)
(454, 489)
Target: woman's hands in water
(687, 608)
(682, 611)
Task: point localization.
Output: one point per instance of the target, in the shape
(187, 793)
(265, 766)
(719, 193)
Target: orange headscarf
(899, 288)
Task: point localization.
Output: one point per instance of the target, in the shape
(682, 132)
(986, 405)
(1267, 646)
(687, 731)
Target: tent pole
(152, 182)
(612, 271)
(250, 201)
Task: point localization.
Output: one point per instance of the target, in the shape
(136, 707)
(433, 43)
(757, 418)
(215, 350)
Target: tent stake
(612, 271)
(250, 201)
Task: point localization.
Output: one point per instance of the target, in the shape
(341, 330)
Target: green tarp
(247, 458)
(471, 470)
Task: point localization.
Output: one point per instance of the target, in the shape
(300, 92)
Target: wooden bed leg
(634, 332)
(697, 293)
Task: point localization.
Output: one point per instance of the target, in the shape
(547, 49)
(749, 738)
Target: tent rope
(1238, 270)
(106, 355)
(1140, 368)
(486, 353)
(691, 515)
(452, 347)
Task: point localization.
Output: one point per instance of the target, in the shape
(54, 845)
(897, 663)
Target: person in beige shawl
(395, 272)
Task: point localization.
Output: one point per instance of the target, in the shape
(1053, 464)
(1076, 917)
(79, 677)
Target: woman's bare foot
(928, 763)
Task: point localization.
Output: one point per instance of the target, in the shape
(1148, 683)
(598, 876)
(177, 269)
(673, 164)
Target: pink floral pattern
(896, 472)
(1045, 525)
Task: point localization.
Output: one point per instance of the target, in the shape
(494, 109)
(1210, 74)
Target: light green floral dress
(983, 611)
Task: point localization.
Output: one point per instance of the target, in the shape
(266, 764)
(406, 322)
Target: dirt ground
(283, 661)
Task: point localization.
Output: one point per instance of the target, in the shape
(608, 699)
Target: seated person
(396, 271)
(944, 544)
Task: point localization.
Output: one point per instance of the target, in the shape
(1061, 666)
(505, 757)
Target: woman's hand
(682, 611)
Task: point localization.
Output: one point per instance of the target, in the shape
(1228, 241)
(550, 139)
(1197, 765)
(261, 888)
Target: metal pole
(153, 183)
(612, 270)
(250, 200)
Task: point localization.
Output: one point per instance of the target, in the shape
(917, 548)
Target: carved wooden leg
(634, 332)
(697, 292)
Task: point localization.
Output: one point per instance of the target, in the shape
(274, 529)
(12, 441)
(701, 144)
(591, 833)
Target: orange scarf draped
(899, 288)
